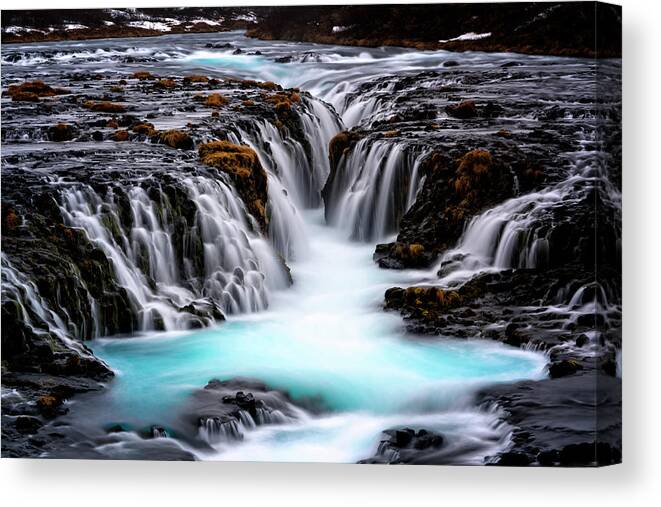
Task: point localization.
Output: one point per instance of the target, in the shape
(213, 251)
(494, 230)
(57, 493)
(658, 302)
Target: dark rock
(28, 424)
(463, 110)
(564, 368)
(61, 132)
(513, 459)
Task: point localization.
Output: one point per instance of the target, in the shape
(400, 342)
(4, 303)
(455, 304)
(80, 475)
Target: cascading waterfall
(296, 175)
(373, 187)
(35, 312)
(215, 430)
(515, 234)
(238, 266)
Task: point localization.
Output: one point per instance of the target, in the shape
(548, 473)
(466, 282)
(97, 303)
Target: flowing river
(325, 338)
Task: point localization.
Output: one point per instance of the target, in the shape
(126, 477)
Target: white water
(239, 265)
(374, 186)
(326, 337)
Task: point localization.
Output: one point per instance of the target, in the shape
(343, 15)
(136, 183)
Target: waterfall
(373, 187)
(296, 173)
(177, 280)
(516, 234)
(214, 430)
(35, 312)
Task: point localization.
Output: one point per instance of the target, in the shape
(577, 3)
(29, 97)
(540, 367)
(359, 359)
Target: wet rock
(28, 424)
(406, 445)
(177, 139)
(463, 110)
(564, 368)
(514, 459)
(453, 192)
(558, 418)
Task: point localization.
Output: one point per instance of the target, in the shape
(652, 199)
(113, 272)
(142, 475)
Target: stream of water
(326, 337)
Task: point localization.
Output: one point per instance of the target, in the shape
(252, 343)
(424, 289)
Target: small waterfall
(296, 173)
(214, 430)
(176, 279)
(516, 234)
(35, 312)
(373, 187)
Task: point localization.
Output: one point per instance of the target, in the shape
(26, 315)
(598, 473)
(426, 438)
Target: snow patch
(338, 29)
(468, 36)
(151, 25)
(250, 17)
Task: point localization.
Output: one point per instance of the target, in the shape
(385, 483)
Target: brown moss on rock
(341, 144)
(423, 299)
(104, 106)
(10, 219)
(143, 75)
(49, 404)
(196, 78)
(463, 110)
(165, 84)
(177, 139)
(120, 135)
(242, 164)
(31, 91)
(283, 101)
(473, 167)
(268, 85)
(145, 128)
(25, 97)
(61, 132)
(216, 100)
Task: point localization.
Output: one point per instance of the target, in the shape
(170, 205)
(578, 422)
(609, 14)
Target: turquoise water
(326, 337)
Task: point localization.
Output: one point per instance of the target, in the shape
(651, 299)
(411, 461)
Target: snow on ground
(468, 36)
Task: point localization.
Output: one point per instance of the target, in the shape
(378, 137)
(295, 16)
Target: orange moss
(48, 403)
(242, 164)
(234, 158)
(120, 135)
(196, 78)
(11, 220)
(144, 128)
(268, 85)
(473, 166)
(142, 75)
(177, 139)
(112, 124)
(248, 103)
(31, 91)
(104, 106)
(216, 100)
(391, 133)
(166, 84)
